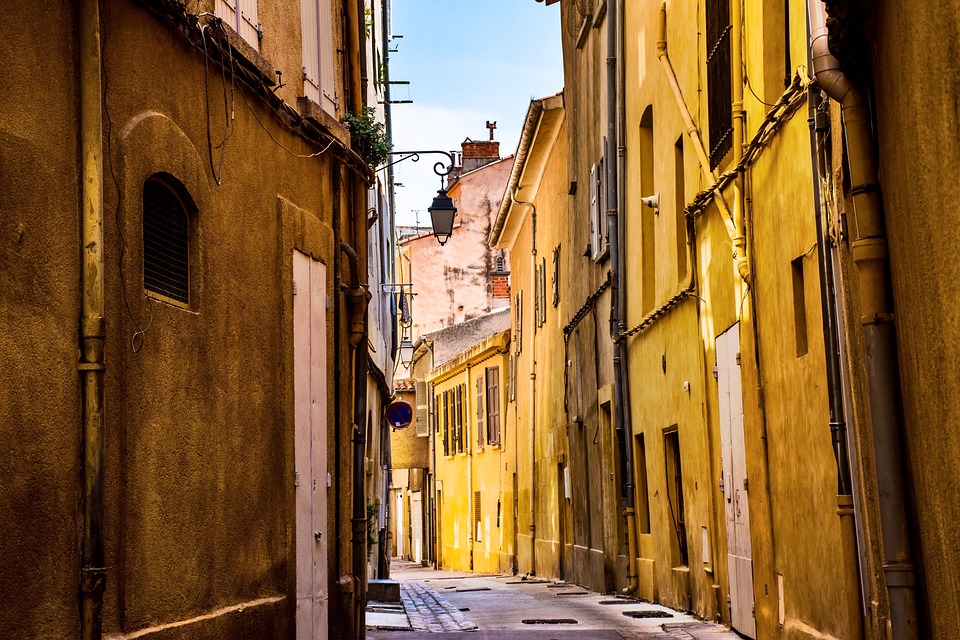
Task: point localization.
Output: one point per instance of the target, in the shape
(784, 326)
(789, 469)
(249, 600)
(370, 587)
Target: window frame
(175, 189)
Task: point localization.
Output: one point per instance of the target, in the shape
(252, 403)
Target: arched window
(166, 243)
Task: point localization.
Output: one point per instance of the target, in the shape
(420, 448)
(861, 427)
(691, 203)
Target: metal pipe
(357, 297)
(693, 132)
(92, 323)
(739, 115)
(533, 385)
(869, 249)
(615, 231)
(472, 532)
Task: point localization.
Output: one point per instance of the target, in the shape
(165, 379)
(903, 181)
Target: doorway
(734, 467)
(310, 444)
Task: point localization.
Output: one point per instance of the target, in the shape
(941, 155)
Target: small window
(166, 244)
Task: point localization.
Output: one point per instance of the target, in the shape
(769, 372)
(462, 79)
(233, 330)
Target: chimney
(479, 153)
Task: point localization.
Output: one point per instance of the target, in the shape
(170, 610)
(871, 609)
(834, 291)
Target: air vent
(166, 248)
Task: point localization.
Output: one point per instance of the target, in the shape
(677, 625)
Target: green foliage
(371, 528)
(368, 137)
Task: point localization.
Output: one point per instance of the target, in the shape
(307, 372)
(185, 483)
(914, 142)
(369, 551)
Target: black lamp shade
(442, 212)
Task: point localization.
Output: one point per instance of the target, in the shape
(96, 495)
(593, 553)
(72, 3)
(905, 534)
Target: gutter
(869, 248)
(520, 159)
(92, 323)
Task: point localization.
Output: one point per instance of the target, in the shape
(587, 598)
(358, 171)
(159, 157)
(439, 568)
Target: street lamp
(406, 352)
(442, 212)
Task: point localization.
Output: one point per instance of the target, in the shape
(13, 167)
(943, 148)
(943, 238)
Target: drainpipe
(739, 117)
(618, 323)
(92, 324)
(869, 249)
(533, 385)
(693, 132)
(357, 297)
(472, 531)
(838, 426)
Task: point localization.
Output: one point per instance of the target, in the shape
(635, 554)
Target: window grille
(719, 90)
(166, 244)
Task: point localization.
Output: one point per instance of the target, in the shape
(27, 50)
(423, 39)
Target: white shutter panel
(328, 89)
(247, 25)
(310, 49)
(226, 10)
(423, 424)
(594, 231)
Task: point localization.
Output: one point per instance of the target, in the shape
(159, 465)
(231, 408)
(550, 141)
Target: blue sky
(468, 61)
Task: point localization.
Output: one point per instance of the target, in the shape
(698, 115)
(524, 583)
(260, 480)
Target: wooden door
(739, 556)
(310, 444)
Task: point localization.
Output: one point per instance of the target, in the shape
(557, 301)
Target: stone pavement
(428, 610)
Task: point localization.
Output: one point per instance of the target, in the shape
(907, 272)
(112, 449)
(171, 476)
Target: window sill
(320, 117)
(248, 57)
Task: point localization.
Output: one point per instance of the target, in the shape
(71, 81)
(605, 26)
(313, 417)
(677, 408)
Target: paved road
(441, 605)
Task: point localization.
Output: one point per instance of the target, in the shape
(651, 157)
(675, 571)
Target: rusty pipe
(92, 323)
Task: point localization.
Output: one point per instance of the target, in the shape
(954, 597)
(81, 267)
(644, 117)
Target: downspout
(618, 324)
(533, 385)
(869, 249)
(92, 324)
(693, 132)
(739, 117)
(357, 297)
(838, 427)
(472, 531)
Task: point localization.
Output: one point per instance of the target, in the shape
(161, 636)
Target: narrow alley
(442, 605)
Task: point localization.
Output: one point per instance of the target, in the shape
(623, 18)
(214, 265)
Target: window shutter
(512, 379)
(480, 411)
(423, 424)
(493, 405)
(477, 513)
(719, 86)
(555, 281)
(309, 20)
(446, 423)
(166, 244)
(594, 230)
(249, 25)
(518, 322)
(226, 10)
(328, 89)
(459, 400)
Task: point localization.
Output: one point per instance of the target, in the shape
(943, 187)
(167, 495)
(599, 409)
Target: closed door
(739, 555)
(310, 444)
(416, 526)
(401, 532)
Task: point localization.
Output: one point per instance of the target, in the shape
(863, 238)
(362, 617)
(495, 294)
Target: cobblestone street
(441, 605)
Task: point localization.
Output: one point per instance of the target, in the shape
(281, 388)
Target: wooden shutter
(328, 89)
(493, 405)
(719, 83)
(477, 516)
(423, 425)
(446, 423)
(481, 391)
(248, 26)
(518, 322)
(309, 21)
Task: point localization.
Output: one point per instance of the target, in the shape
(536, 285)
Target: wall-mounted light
(442, 212)
(406, 352)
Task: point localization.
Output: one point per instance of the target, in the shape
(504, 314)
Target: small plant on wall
(368, 137)
(371, 528)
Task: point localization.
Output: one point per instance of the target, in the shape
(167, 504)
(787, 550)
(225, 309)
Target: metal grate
(719, 90)
(166, 243)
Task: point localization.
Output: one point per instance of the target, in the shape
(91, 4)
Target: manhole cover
(550, 621)
(649, 613)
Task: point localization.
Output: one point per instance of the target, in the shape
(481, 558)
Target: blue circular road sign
(400, 414)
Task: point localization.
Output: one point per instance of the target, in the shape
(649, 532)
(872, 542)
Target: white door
(416, 526)
(400, 533)
(739, 556)
(310, 444)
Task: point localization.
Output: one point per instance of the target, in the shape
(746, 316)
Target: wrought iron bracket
(438, 168)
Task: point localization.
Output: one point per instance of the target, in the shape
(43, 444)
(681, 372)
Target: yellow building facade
(475, 460)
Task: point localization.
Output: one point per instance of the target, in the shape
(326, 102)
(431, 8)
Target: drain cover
(558, 585)
(573, 593)
(472, 589)
(631, 602)
(649, 613)
(550, 621)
